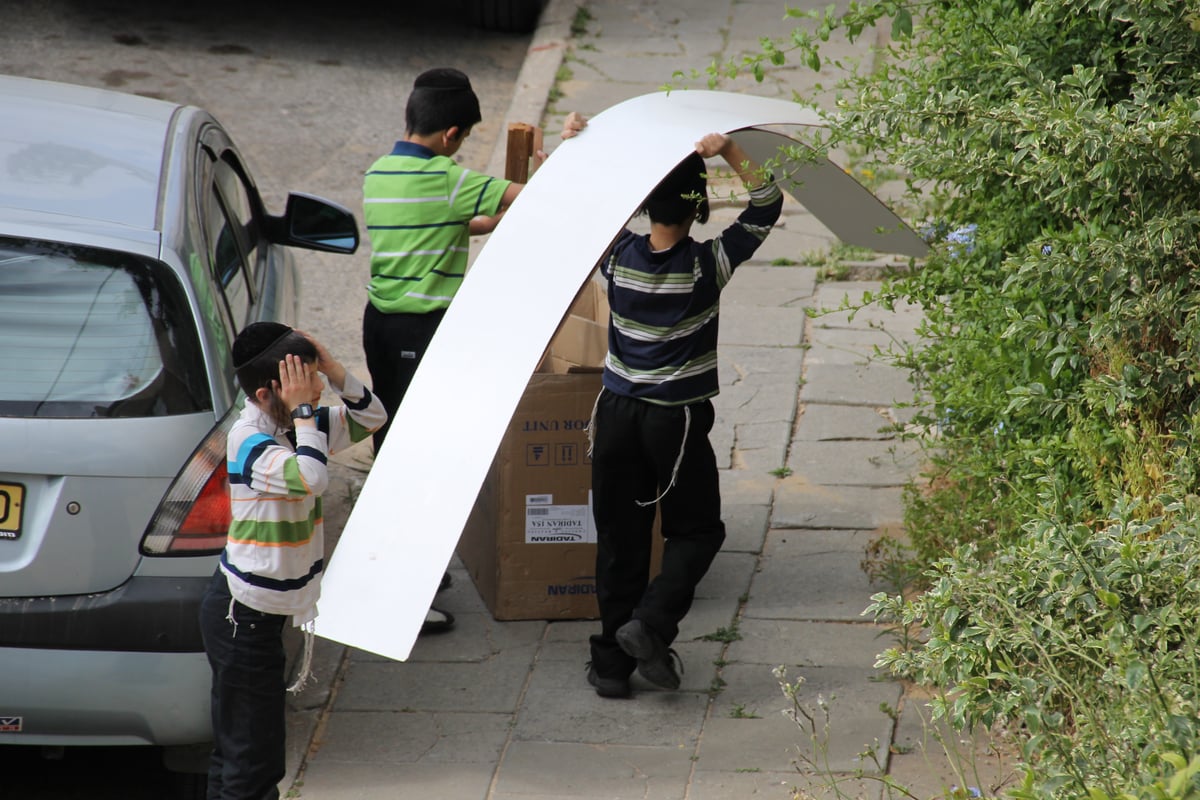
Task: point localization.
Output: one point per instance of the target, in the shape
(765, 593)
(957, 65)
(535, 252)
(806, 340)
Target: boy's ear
(453, 133)
(262, 395)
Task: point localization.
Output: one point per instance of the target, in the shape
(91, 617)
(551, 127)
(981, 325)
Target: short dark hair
(260, 347)
(681, 194)
(441, 98)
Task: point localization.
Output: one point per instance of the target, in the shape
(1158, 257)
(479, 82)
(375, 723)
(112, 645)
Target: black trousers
(634, 455)
(394, 345)
(249, 696)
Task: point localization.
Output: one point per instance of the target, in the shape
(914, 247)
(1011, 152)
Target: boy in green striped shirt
(421, 208)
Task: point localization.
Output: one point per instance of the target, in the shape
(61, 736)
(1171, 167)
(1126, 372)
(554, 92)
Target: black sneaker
(607, 687)
(446, 582)
(437, 621)
(655, 661)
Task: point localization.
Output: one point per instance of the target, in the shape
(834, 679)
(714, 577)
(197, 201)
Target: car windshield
(93, 333)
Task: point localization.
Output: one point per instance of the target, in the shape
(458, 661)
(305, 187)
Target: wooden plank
(520, 151)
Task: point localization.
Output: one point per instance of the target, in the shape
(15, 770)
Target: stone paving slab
(855, 722)
(357, 781)
(742, 487)
(390, 737)
(568, 631)
(790, 785)
(652, 717)
(793, 582)
(794, 299)
(760, 325)
(801, 504)
(491, 685)
(796, 245)
(803, 644)
(737, 363)
(760, 445)
(848, 345)
(634, 67)
(728, 577)
(582, 95)
(547, 770)
(709, 617)
(872, 383)
(822, 422)
(766, 744)
(478, 637)
(785, 284)
(860, 463)
(759, 398)
(745, 527)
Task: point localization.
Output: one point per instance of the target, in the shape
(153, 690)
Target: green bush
(1060, 344)
(1086, 639)
(1056, 368)
(1058, 337)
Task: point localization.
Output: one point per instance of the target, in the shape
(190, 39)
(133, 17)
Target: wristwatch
(303, 411)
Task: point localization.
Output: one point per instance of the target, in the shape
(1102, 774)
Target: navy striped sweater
(662, 337)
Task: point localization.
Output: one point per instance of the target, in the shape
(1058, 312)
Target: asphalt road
(312, 93)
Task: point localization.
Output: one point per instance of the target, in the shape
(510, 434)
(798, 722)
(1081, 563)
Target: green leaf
(902, 25)
(1135, 674)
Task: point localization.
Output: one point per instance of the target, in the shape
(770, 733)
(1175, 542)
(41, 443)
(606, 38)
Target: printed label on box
(550, 524)
(566, 454)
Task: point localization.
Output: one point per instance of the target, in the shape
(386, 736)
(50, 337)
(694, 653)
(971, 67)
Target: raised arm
(750, 172)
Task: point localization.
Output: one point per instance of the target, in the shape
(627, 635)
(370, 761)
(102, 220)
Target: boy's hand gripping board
(415, 502)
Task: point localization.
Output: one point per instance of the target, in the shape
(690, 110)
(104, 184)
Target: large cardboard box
(530, 542)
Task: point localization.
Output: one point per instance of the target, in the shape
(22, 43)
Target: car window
(229, 225)
(93, 333)
(238, 207)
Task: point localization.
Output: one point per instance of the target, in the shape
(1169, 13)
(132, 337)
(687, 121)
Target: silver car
(133, 248)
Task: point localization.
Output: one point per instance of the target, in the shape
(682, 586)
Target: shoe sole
(652, 664)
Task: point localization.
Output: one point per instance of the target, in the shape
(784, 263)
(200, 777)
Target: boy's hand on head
(712, 144)
(327, 365)
(294, 387)
(573, 125)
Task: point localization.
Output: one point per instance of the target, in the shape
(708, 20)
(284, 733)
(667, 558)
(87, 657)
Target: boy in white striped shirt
(274, 556)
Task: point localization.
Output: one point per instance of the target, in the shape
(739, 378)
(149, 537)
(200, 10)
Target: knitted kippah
(256, 339)
(443, 79)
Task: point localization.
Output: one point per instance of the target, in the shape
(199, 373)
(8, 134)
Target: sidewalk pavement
(809, 476)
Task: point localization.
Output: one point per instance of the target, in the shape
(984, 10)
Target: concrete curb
(546, 52)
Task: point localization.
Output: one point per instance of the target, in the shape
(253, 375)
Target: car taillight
(193, 518)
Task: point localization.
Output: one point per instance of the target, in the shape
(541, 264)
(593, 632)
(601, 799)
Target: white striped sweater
(275, 551)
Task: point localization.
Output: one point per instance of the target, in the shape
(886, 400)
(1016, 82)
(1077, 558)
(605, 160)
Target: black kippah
(255, 339)
(443, 79)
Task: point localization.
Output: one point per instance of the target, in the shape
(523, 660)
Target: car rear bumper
(144, 614)
(78, 697)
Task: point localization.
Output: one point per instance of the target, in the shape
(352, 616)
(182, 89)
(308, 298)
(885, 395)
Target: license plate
(12, 499)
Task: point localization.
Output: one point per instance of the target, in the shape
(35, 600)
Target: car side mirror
(318, 224)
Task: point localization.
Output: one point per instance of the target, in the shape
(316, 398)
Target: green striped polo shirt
(418, 206)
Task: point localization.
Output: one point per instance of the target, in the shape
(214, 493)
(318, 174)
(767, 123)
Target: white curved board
(412, 509)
